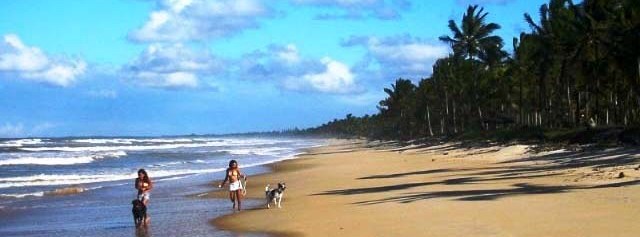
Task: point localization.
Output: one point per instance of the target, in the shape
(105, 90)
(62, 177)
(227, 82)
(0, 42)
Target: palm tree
(515, 70)
(625, 47)
(472, 39)
(543, 38)
(424, 96)
(398, 106)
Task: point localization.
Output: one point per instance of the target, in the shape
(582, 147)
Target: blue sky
(167, 67)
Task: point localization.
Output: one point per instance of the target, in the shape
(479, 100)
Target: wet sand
(355, 188)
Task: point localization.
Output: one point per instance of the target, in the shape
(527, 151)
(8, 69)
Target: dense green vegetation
(577, 68)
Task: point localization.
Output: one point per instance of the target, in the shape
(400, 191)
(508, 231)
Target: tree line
(578, 66)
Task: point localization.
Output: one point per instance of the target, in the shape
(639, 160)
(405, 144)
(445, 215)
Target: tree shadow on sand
(418, 145)
(422, 172)
(527, 168)
(396, 187)
(490, 194)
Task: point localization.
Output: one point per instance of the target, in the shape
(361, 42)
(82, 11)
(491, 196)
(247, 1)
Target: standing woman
(233, 175)
(144, 186)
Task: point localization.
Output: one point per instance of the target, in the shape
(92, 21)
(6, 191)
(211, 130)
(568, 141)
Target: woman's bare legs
(232, 198)
(147, 219)
(239, 198)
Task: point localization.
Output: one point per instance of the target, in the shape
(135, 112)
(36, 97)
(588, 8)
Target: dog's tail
(266, 188)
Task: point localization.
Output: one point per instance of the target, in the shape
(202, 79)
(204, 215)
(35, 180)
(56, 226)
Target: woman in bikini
(233, 175)
(144, 185)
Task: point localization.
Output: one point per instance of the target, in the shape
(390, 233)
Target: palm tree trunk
(521, 103)
(475, 90)
(569, 111)
(565, 81)
(455, 124)
(429, 121)
(577, 112)
(609, 106)
(446, 102)
(542, 95)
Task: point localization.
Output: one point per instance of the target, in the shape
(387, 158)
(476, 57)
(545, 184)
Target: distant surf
(42, 167)
(59, 159)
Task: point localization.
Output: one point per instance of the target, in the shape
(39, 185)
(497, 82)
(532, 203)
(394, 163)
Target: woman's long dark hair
(146, 176)
(231, 163)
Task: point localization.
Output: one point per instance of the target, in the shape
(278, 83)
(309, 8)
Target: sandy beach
(355, 188)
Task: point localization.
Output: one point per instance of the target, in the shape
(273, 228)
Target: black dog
(139, 211)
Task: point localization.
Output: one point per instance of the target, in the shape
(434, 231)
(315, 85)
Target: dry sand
(353, 188)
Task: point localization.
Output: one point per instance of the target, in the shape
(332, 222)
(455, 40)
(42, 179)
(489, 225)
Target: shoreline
(255, 190)
(359, 188)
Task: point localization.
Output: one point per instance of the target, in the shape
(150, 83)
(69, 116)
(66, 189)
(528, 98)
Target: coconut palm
(398, 106)
(472, 39)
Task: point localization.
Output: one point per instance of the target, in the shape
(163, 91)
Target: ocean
(84, 186)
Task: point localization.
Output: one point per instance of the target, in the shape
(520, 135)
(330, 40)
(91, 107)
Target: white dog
(274, 195)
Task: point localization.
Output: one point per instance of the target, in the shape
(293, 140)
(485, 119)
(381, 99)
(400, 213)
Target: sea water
(84, 186)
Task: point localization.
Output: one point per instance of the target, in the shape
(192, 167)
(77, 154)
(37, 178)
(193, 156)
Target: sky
(171, 67)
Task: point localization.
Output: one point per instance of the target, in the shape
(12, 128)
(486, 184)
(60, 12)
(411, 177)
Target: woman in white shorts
(144, 185)
(233, 175)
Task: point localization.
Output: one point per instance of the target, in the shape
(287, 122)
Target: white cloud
(401, 56)
(31, 63)
(19, 57)
(171, 66)
(181, 79)
(284, 66)
(275, 63)
(185, 20)
(59, 74)
(337, 78)
(411, 56)
(172, 80)
(289, 54)
(178, 5)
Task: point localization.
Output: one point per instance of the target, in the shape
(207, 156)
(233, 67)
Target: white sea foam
(133, 140)
(61, 159)
(270, 151)
(146, 140)
(58, 191)
(129, 144)
(104, 141)
(167, 164)
(165, 140)
(72, 179)
(123, 148)
(21, 142)
(161, 146)
(23, 195)
(94, 149)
